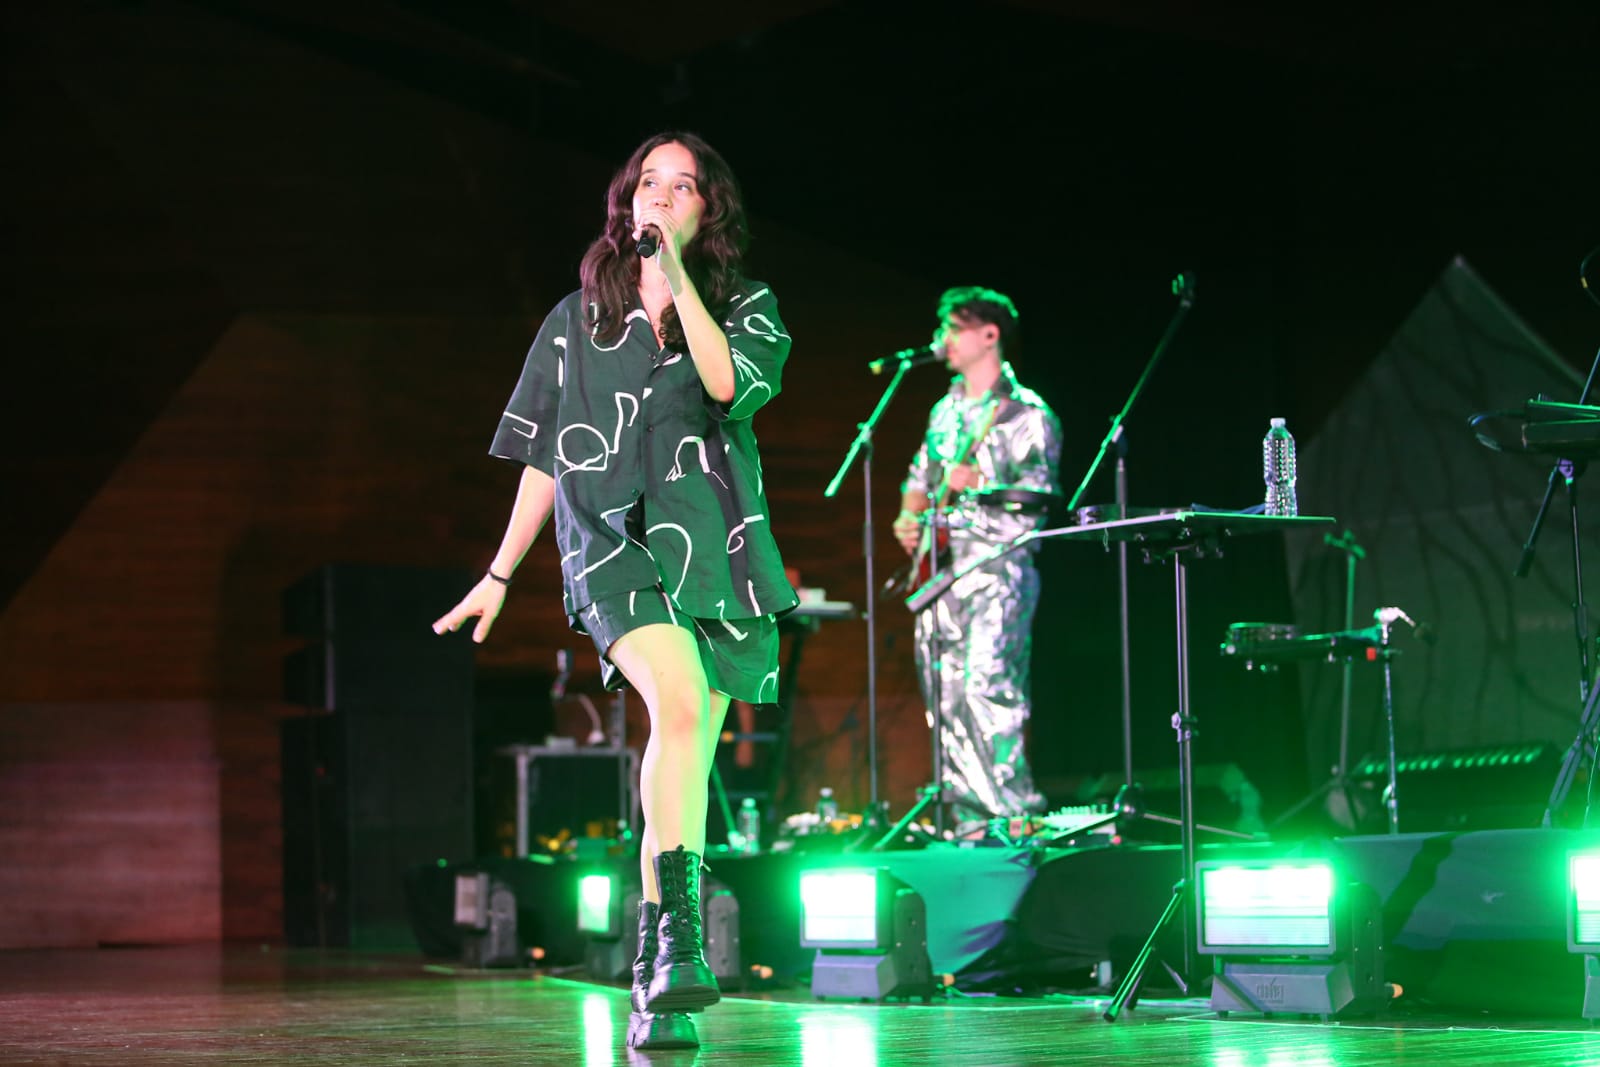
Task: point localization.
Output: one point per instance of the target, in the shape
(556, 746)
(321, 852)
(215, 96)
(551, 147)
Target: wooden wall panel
(109, 825)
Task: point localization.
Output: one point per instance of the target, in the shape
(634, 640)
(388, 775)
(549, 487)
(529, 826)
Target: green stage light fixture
(486, 916)
(1289, 937)
(608, 917)
(608, 909)
(870, 931)
(1583, 921)
(596, 915)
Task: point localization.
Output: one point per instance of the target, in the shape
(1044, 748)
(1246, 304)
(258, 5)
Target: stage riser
(1470, 921)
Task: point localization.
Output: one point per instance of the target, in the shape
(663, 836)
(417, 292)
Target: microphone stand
(1183, 289)
(1122, 613)
(862, 446)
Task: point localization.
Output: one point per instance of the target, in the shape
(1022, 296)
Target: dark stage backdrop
(1443, 520)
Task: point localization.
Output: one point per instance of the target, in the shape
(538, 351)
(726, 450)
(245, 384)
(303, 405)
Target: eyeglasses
(945, 329)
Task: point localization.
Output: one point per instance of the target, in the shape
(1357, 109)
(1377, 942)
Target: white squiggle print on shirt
(532, 430)
(591, 568)
(744, 368)
(627, 328)
(733, 533)
(771, 331)
(597, 462)
(677, 459)
(616, 438)
(601, 460)
(688, 551)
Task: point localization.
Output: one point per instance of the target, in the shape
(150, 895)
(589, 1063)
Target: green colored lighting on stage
(839, 907)
(1583, 879)
(870, 931)
(594, 905)
(1285, 906)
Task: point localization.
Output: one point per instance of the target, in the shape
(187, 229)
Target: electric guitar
(933, 551)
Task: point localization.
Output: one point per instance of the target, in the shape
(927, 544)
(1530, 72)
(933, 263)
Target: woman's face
(669, 181)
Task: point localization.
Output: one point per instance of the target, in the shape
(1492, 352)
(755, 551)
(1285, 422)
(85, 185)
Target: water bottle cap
(1277, 422)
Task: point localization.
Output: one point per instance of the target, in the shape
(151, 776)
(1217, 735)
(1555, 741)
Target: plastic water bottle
(750, 824)
(1278, 468)
(827, 807)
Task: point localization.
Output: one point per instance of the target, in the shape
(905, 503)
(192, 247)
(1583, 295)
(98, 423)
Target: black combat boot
(682, 981)
(672, 1029)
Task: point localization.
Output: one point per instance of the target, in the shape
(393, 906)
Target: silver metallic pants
(984, 638)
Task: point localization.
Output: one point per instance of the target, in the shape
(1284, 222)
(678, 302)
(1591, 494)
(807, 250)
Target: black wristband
(503, 581)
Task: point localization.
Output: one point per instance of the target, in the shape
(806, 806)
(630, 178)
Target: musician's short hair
(974, 303)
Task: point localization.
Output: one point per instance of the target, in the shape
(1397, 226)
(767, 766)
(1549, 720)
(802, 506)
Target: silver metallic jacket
(980, 631)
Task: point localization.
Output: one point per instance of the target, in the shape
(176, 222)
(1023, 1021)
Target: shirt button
(649, 428)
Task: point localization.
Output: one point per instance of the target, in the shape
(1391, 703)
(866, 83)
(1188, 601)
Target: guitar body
(929, 560)
(933, 554)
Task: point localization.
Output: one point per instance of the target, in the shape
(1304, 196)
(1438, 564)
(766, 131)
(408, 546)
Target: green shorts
(740, 656)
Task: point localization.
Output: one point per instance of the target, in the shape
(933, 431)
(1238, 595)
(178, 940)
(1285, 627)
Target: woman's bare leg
(662, 663)
(648, 845)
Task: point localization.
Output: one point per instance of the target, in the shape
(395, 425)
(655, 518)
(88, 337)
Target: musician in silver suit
(987, 463)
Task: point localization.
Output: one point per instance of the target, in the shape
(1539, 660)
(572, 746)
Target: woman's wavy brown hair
(713, 257)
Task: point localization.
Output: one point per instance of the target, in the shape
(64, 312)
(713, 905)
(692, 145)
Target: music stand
(1174, 536)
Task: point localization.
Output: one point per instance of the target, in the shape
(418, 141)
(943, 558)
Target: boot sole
(688, 998)
(675, 1030)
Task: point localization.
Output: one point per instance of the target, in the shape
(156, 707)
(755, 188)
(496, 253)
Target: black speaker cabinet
(380, 779)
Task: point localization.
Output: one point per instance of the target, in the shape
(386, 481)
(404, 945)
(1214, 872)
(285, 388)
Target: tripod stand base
(1582, 754)
(1127, 993)
(930, 794)
(1335, 791)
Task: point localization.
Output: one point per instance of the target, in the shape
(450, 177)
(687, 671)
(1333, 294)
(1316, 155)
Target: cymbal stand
(1585, 746)
(1582, 750)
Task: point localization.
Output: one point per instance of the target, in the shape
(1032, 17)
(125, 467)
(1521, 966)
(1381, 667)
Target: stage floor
(214, 1005)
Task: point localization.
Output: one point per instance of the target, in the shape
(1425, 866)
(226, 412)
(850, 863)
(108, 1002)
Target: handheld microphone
(649, 241)
(915, 357)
